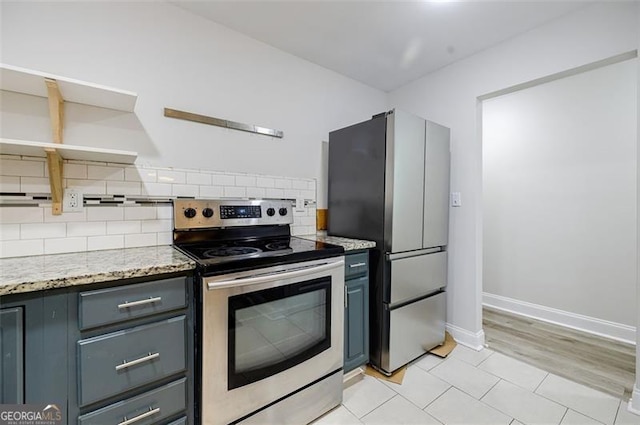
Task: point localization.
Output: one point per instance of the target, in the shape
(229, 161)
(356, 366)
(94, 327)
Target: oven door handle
(273, 276)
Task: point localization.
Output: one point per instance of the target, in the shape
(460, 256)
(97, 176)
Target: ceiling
(384, 44)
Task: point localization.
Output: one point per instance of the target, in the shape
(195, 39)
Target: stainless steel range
(269, 316)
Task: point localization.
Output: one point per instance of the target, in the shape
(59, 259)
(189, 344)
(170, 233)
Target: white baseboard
(634, 403)
(592, 325)
(467, 338)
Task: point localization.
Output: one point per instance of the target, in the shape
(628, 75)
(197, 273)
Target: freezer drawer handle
(128, 304)
(141, 416)
(146, 358)
(357, 265)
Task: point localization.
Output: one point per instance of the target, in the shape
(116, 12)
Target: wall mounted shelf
(22, 80)
(59, 90)
(83, 153)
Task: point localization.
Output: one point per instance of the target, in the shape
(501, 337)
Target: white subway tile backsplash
(21, 248)
(34, 230)
(134, 174)
(223, 180)
(168, 176)
(43, 230)
(164, 212)
(123, 188)
(156, 189)
(165, 238)
(275, 193)
(300, 184)
(198, 178)
(105, 213)
(249, 181)
(308, 194)
(265, 182)
(9, 232)
(88, 187)
(140, 212)
(283, 183)
(95, 243)
(211, 191)
(98, 172)
(154, 226)
(62, 245)
(184, 190)
(9, 184)
(89, 228)
(141, 239)
(13, 167)
(235, 192)
(65, 217)
(123, 227)
(74, 171)
(256, 192)
(291, 193)
(34, 185)
(9, 215)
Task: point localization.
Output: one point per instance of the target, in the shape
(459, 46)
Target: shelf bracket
(54, 162)
(56, 109)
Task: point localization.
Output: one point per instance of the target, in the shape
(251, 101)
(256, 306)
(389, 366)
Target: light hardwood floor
(594, 361)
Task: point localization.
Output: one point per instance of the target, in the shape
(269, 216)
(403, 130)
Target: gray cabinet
(12, 359)
(356, 314)
(102, 352)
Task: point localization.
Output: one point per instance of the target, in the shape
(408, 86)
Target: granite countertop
(347, 243)
(36, 273)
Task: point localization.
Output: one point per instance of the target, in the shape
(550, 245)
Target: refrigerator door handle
(408, 254)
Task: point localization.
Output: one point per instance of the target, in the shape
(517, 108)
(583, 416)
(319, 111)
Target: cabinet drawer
(112, 363)
(111, 305)
(181, 421)
(150, 407)
(356, 264)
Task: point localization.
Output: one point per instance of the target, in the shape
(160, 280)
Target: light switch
(456, 199)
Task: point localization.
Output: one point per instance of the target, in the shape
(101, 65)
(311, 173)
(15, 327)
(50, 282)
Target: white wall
(172, 58)
(450, 96)
(559, 194)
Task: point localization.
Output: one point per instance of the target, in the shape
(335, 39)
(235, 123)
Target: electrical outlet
(299, 205)
(72, 201)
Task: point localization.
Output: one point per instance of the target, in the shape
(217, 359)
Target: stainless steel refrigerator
(389, 182)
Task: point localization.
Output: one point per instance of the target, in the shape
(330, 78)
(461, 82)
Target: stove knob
(271, 212)
(282, 211)
(190, 213)
(207, 212)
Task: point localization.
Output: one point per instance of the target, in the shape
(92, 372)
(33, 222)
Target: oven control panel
(208, 213)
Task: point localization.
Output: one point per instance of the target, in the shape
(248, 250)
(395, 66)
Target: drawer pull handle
(141, 416)
(146, 358)
(128, 304)
(357, 265)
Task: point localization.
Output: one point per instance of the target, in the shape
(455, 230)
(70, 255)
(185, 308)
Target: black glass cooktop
(241, 254)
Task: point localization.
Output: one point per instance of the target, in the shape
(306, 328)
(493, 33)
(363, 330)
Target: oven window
(275, 329)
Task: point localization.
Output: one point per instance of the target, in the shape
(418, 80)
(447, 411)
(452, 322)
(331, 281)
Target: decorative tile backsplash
(125, 205)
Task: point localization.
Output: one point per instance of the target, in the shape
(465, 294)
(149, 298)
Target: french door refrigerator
(389, 182)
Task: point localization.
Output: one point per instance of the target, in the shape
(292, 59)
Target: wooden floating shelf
(84, 153)
(59, 90)
(21, 80)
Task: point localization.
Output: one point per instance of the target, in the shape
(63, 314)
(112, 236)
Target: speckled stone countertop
(347, 243)
(36, 273)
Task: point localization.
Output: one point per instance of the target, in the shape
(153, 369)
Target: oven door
(267, 333)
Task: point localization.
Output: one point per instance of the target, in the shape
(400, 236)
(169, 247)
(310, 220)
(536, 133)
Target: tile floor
(476, 388)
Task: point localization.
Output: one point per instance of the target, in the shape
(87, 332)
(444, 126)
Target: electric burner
(227, 251)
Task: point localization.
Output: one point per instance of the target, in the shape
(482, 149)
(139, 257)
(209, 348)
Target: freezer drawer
(415, 329)
(416, 276)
